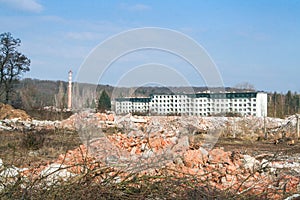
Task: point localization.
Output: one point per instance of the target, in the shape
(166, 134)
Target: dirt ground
(260, 148)
(34, 148)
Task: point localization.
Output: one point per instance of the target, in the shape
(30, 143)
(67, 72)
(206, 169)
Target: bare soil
(259, 148)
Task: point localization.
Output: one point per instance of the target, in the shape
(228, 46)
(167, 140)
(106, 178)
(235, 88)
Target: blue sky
(249, 41)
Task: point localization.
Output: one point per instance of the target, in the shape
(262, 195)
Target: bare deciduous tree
(12, 64)
(245, 86)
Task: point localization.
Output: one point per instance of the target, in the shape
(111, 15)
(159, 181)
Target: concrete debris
(6, 128)
(138, 120)
(181, 145)
(10, 172)
(194, 159)
(250, 163)
(146, 145)
(295, 166)
(55, 173)
(218, 168)
(293, 197)
(221, 169)
(166, 125)
(10, 175)
(20, 125)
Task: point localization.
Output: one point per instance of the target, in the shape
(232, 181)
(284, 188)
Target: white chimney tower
(70, 91)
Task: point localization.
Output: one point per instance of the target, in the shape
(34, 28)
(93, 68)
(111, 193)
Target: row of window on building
(203, 105)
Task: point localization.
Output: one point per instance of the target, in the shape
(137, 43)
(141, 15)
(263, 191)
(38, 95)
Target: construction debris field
(211, 157)
(13, 150)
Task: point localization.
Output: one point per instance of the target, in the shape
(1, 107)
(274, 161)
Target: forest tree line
(282, 105)
(35, 94)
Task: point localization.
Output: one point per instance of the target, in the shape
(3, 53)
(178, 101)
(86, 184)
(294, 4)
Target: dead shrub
(33, 140)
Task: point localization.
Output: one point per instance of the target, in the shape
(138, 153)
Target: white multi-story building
(132, 105)
(200, 104)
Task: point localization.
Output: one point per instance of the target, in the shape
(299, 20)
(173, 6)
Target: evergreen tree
(87, 103)
(288, 102)
(104, 103)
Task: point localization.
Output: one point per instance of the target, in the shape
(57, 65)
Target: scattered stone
(194, 159)
(138, 120)
(219, 156)
(293, 197)
(55, 173)
(149, 144)
(182, 145)
(10, 172)
(178, 161)
(250, 163)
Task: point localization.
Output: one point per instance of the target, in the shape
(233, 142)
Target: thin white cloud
(135, 7)
(24, 5)
(83, 35)
(52, 18)
(140, 7)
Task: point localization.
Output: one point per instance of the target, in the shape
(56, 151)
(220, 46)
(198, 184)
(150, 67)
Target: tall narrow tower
(70, 91)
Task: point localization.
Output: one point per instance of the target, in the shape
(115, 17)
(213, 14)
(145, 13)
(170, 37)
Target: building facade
(200, 104)
(132, 105)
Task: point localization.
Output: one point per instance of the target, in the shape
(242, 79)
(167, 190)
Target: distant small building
(200, 104)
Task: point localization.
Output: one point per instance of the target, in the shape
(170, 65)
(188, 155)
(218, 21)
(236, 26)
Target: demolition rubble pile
(20, 125)
(156, 142)
(150, 145)
(15, 119)
(214, 168)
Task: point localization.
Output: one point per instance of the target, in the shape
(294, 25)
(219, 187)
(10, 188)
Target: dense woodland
(32, 94)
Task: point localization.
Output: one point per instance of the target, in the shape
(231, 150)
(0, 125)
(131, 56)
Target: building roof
(226, 95)
(134, 99)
